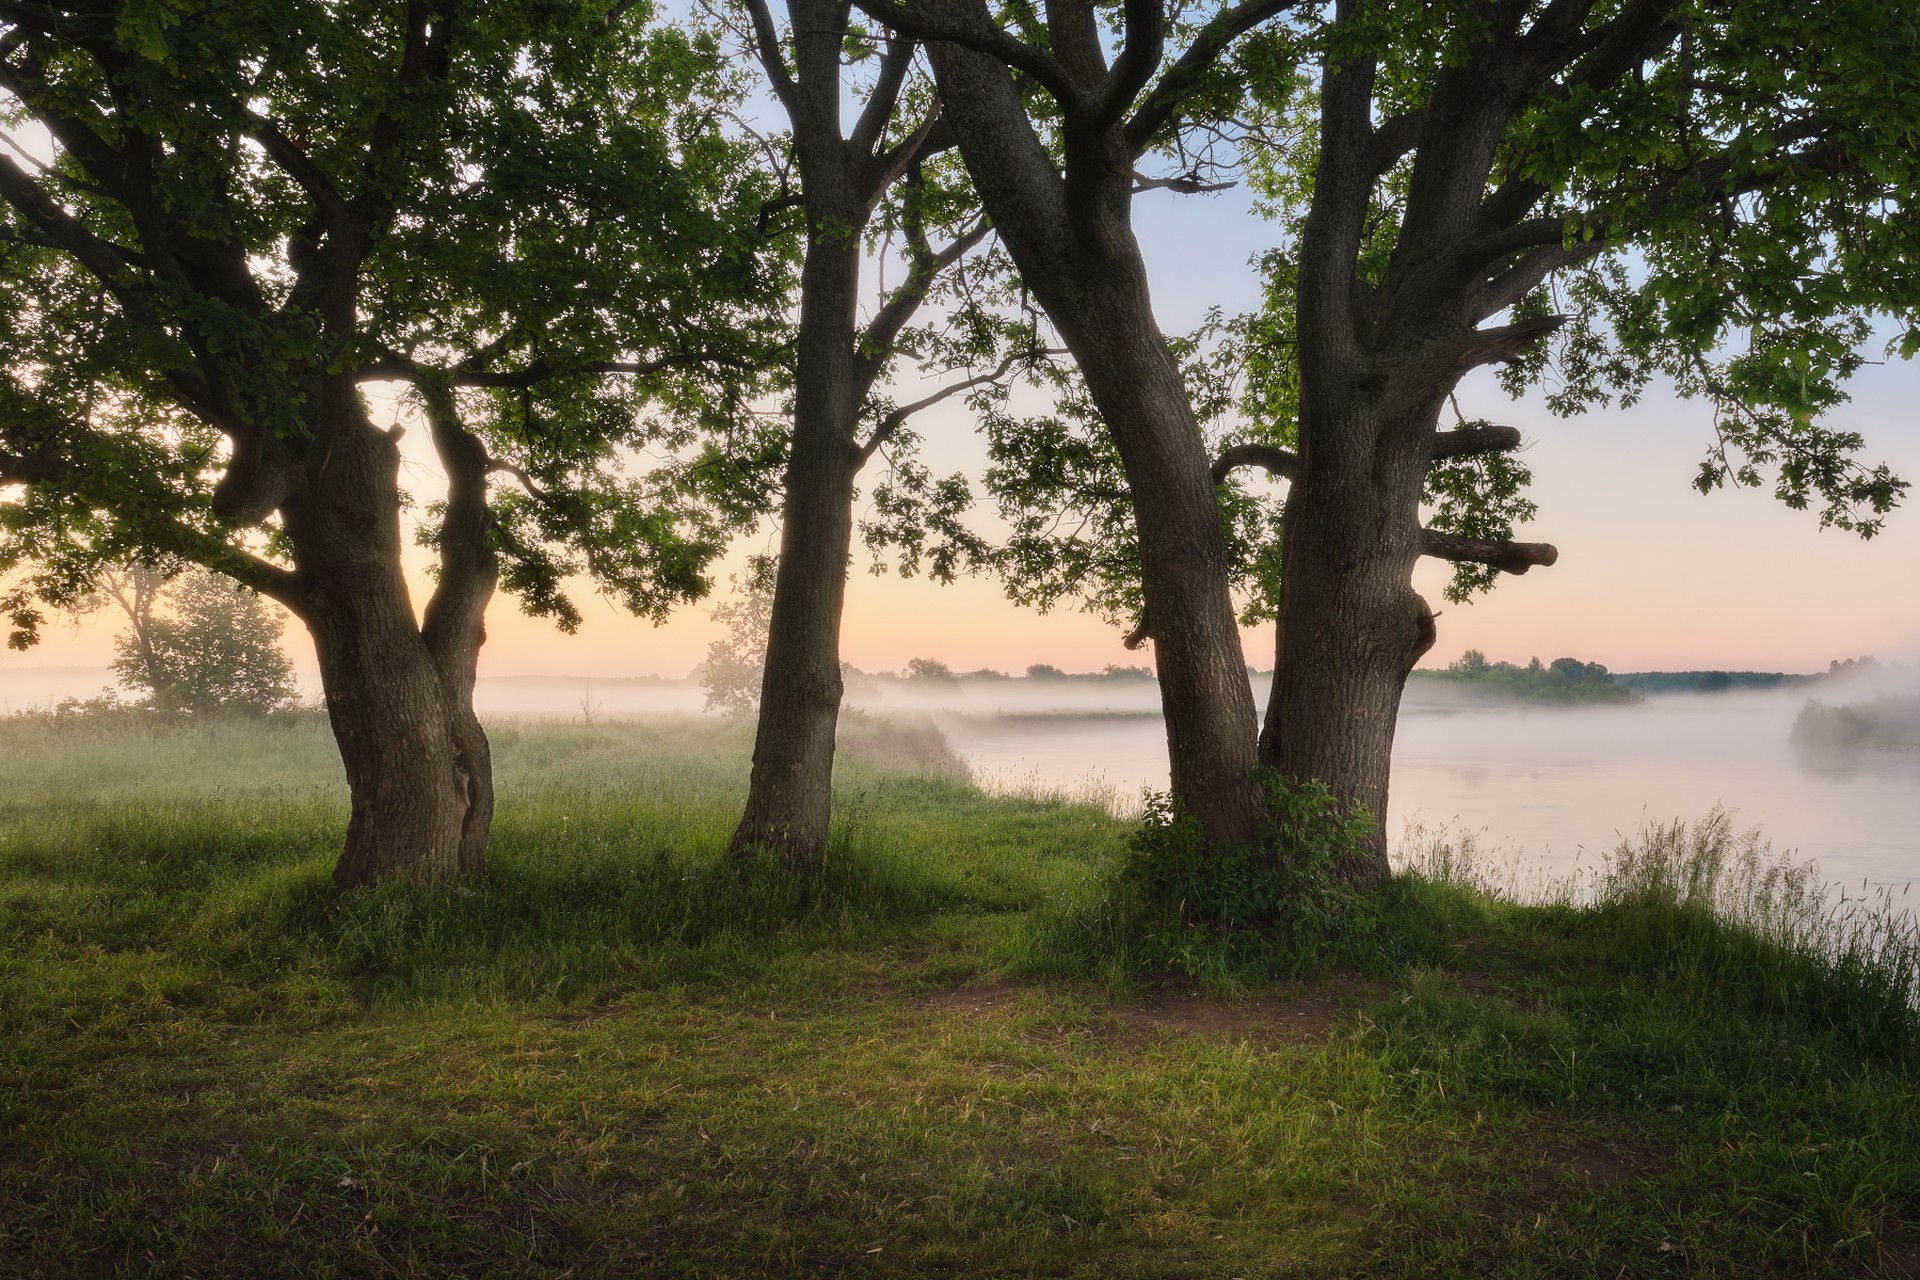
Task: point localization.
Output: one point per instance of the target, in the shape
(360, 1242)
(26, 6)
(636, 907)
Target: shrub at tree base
(1278, 907)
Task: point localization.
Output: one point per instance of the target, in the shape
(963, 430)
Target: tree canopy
(531, 216)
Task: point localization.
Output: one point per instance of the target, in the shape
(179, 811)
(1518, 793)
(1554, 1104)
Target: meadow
(623, 1053)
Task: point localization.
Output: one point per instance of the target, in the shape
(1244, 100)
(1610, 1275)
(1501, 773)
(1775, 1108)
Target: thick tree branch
(1163, 100)
(772, 60)
(299, 166)
(168, 533)
(1395, 137)
(872, 124)
(886, 168)
(1277, 461)
(1508, 557)
(1143, 42)
(394, 367)
(972, 28)
(452, 623)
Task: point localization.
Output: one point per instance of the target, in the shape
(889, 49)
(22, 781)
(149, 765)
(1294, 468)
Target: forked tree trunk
(1074, 244)
(789, 802)
(1204, 695)
(399, 697)
(1351, 626)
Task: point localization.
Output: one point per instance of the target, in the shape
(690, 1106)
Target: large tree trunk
(1073, 242)
(1351, 626)
(399, 699)
(789, 801)
(1204, 695)
(417, 764)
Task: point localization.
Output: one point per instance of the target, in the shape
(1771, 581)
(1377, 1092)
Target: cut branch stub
(1469, 441)
(1508, 557)
(1505, 343)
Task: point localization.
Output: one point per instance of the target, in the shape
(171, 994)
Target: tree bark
(1073, 242)
(399, 697)
(1351, 627)
(790, 798)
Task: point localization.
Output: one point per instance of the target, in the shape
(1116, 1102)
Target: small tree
(218, 653)
(928, 669)
(736, 664)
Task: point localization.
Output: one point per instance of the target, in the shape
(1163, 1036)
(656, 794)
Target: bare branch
(898, 417)
(1163, 100)
(881, 332)
(1187, 184)
(1508, 557)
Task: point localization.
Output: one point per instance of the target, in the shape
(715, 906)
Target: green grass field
(623, 1055)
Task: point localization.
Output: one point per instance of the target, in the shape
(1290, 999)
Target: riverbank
(622, 1055)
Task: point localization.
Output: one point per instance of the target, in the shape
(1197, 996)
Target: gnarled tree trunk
(1351, 626)
(399, 694)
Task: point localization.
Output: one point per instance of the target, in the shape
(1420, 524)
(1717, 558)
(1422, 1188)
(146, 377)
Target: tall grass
(1716, 910)
(608, 864)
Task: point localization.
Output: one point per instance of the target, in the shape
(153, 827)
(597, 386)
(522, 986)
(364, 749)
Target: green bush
(1277, 907)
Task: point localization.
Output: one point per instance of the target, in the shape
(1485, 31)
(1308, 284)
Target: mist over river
(1543, 789)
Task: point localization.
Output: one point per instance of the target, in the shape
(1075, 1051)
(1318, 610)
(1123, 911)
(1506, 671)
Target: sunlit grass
(621, 1053)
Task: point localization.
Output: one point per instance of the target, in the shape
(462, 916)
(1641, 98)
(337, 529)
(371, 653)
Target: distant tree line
(1562, 680)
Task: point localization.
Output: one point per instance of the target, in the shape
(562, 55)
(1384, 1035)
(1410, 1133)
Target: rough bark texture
(1074, 244)
(1378, 356)
(399, 695)
(1351, 627)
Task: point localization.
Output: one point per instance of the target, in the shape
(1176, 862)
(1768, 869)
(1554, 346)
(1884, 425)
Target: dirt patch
(983, 997)
(586, 1016)
(1304, 1013)
(1600, 1165)
(1893, 1260)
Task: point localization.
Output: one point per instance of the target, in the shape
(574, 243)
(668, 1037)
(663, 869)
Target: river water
(1538, 790)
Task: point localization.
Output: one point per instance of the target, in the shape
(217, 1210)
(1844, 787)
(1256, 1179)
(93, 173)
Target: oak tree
(221, 222)
(1715, 191)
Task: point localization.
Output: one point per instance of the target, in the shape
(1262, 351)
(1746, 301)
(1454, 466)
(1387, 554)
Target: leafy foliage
(533, 215)
(1280, 906)
(1562, 680)
(216, 651)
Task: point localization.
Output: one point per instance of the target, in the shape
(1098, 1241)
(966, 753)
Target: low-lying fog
(1545, 787)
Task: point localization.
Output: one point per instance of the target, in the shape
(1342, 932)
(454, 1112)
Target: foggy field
(620, 1054)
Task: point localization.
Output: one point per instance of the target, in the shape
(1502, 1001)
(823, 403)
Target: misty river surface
(1539, 789)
